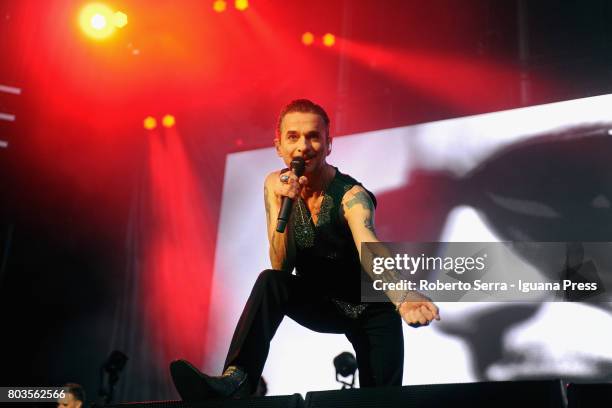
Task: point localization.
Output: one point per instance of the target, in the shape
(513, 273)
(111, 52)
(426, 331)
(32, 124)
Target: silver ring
(284, 178)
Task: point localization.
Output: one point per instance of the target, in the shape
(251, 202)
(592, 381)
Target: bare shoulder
(270, 178)
(357, 196)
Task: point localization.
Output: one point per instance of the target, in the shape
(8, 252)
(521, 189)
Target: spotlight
(307, 38)
(120, 19)
(346, 366)
(329, 40)
(168, 121)
(219, 6)
(241, 4)
(98, 22)
(95, 20)
(149, 123)
(109, 371)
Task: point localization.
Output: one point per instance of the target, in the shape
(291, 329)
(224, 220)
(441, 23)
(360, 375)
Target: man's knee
(272, 283)
(271, 277)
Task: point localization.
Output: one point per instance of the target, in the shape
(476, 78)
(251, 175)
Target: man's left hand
(419, 312)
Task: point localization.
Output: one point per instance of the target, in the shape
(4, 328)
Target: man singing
(332, 215)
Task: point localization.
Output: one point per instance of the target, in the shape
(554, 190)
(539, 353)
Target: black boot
(193, 385)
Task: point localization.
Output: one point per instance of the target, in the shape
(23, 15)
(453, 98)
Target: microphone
(298, 166)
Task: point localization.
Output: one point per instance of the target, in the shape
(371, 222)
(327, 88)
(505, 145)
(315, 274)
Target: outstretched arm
(358, 209)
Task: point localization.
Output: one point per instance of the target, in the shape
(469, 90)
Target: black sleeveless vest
(326, 252)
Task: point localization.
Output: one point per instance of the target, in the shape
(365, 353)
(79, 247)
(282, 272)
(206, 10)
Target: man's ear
(79, 404)
(329, 145)
(277, 146)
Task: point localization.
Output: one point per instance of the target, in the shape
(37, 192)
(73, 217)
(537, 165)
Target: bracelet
(401, 302)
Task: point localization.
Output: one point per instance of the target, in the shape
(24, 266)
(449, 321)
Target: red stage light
(149, 123)
(168, 121)
(241, 4)
(98, 22)
(219, 6)
(307, 38)
(95, 20)
(120, 19)
(329, 40)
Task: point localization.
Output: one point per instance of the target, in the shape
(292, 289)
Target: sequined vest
(326, 252)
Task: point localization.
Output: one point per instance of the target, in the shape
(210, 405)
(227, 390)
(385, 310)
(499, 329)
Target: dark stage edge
(277, 401)
(521, 394)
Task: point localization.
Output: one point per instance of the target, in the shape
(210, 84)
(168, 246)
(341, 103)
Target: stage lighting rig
(149, 123)
(241, 5)
(120, 19)
(346, 366)
(307, 38)
(220, 6)
(168, 121)
(109, 376)
(329, 40)
(99, 21)
(95, 20)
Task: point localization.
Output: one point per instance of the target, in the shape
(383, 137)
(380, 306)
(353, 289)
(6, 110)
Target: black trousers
(376, 335)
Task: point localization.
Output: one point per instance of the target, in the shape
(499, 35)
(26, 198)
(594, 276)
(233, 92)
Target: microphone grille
(298, 166)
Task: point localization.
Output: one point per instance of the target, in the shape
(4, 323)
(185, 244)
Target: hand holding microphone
(290, 191)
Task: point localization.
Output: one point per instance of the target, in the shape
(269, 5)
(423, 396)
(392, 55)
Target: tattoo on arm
(367, 222)
(362, 198)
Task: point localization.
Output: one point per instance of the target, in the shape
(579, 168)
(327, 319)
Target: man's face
(68, 402)
(303, 135)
